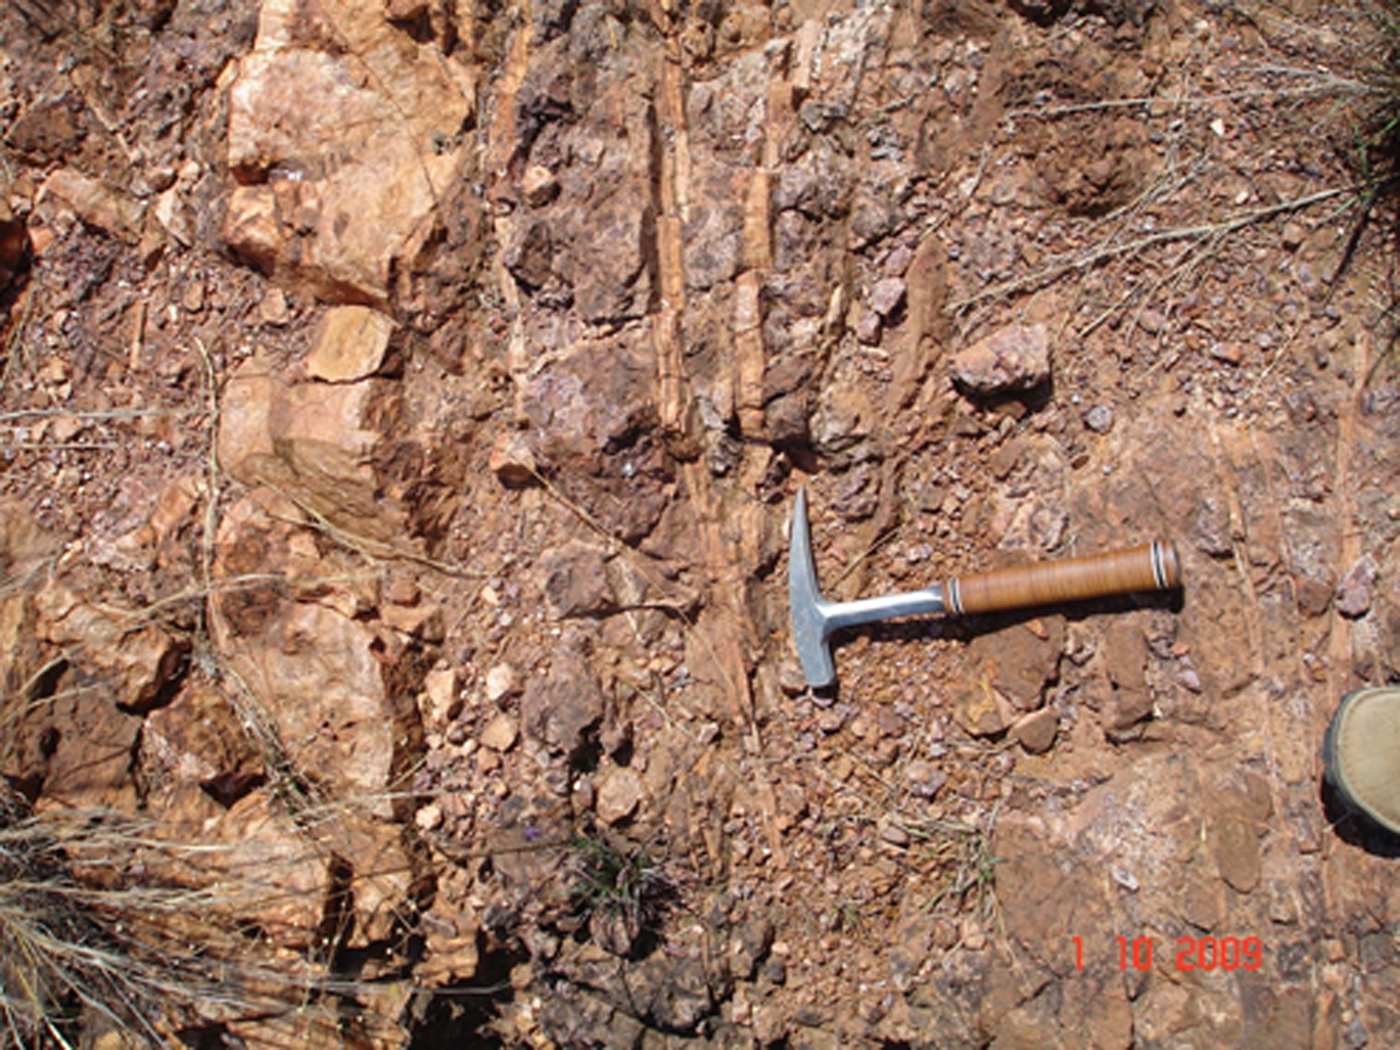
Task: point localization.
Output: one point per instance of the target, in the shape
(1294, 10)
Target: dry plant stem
(375, 550)
(130, 413)
(212, 474)
(1107, 252)
(15, 337)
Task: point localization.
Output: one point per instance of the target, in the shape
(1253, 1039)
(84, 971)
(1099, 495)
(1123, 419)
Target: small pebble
(1099, 418)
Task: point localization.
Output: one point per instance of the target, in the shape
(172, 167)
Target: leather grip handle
(1151, 567)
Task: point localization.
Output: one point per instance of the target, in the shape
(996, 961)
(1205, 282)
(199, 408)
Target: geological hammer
(1150, 567)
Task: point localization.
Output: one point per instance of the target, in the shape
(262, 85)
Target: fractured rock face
(198, 738)
(1011, 361)
(315, 672)
(308, 441)
(351, 344)
(576, 582)
(134, 662)
(564, 710)
(591, 418)
(343, 135)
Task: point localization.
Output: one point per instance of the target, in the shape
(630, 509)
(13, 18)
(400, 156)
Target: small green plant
(618, 889)
(1373, 150)
(962, 856)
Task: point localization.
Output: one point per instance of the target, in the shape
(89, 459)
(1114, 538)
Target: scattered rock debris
(400, 407)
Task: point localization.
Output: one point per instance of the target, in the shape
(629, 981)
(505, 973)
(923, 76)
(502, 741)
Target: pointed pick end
(805, 603)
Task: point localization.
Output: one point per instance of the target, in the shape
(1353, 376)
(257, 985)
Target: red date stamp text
(1191, 953)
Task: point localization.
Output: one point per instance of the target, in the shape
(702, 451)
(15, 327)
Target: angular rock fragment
(96, 204)
(1011, 361)
(440, 702)
(1237, 853)
(134, 661)
(1036, 730)
(592, 420)
(564, 709)
(887, 296)
(350, 345)
(619, 795)
(310, 441)
(576, 582)
(923, 778)
(343, 137)
(1098, 418)
(500, 733)
(501, 682)
(199, 738)
(1354, 593)
(513, 461)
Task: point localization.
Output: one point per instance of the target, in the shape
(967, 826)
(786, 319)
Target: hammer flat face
(806, 605)
(814, 618)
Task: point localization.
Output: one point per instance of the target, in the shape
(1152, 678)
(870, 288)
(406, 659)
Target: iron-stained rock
(1011, 361)
(564, 708)
(576, 582)
(350, 345)
(310, 441)
(332, 146)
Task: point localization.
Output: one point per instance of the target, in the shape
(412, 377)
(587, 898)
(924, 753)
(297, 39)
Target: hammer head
(806, 605)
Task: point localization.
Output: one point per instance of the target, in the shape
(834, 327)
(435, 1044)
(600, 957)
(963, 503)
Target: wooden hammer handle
(1151, 567)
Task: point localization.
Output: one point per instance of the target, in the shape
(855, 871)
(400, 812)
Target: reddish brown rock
(592, 423)
(566, 707)
(1354, 593)
(576, 582)
(1036, 731)
(200, 738)
(312, 442)
(1021, 660)
(982, 711)
(619, 795)
(500, 733)
(274, 877)
(133, 661)
(1011, 361)
(887, 296)
(1237, 853)
(350, 344)
(96, 204)
(332, 147)
(513, 461)
(319, 678)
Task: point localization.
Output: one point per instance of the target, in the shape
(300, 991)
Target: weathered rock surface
(344, 134)
(350, 345)
(498, 540)
(134, 659)
(564, 708)
(1011, 361)
(323, 681)
(576, 582)
(312, 442)
(198, 738)
(592, 417)
(97, 205)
